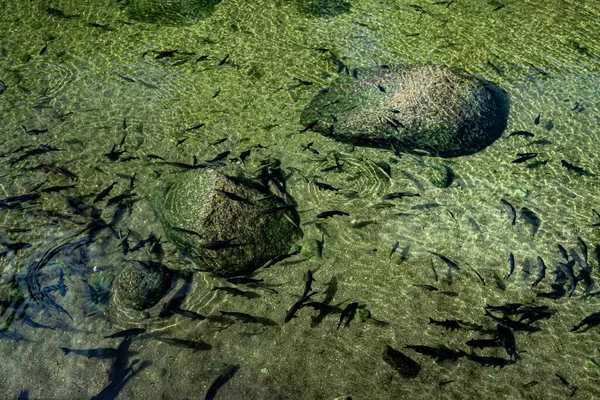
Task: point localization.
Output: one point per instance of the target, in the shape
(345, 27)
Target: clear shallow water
(542, 55)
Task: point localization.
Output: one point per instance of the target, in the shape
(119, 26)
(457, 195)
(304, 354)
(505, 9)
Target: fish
(120, 198)
(100, 353)
(549, 125)
(531, 218)
(55, 12)
(536, 164)
(522, 134)
(297, 306)
(245, 318)
(536, 121)
(348, 314)
(310, 126)
(329, 214)
(46, 168)
(329, 169)
(427, 287)
(34, 132)
(570, 273)
(191, 129)
(490, 361)
(541, 273)
(230, 290)
(507, 338)
(508, 308)
(187, 344)
(574, 168)
(325, 186)
(381, 88)
(590, 321)
(482, 343)
(439, 354)
(406, 367)
(584, 249)
(308, 280)
(219, 157)
(126, 333)
(114, 154)
(7, 202)
(225, 375)
(532, 314)
(512, 210)
(243, 280)
(42, 149)
(449, 324)
(399, 195)
(53, 189)
(218, 141)
(523, 157)
(514, 325)
(224, 60)
(394, 248)
(448, 262)
(511, 263)
(233, 196)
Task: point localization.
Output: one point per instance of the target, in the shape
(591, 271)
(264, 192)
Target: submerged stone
(139, 287)
(228, 226)
(442, 111)
(312, 250)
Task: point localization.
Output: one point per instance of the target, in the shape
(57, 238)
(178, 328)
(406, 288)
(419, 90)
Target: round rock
(142, 286)
(442, 111)
(228, 226)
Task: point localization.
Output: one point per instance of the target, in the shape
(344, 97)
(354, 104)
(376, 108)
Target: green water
(542, 53)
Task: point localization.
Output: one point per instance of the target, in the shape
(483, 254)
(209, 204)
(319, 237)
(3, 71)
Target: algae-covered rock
(443, 111)
(141, 286)
(168, 12)
(312, 250)
(440, 176)
(228, 226)
(323, 8)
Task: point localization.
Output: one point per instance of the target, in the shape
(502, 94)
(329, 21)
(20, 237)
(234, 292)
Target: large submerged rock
(228, 226)
(443, 111)
(141, 286)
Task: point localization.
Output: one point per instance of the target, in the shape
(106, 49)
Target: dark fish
(427, 287)
(563, 252)
(42, 149)
(189, 314)
(154, 157)
(55, 12)
(6, 202)
(570, 273)
(584, 249)
(126, 333)
(508, 308)
(531, 218)
(125, 78)
(537, 119)
(482, 343)
(329, 169)
(120, 198)
(381, 88)
(489, 361)
(114, 154)
(142, 243)
(34, 132)
(511, 263)
(507, 338)
(220, 380)
(223, 61)
(591, 321)
(513, 212)
(243, 280)
(78, 207)
(46, 168)
(562, 379)
(310, 126)
(308, 280)
(202, 58)
(191, 129)
(523, 157)
(440, 353)
(180, 142)
(549, 125)
(532, 314)
(394, 248)
(219, 157)
(101, 353)
(233, 196)
(325, 186)
(448, 323)
(187, 231)
(328, 214)
(218, 141)
(541, 273)
(348, 314)
(522, 133)
(404, 365)
(246, 318)
(399, 195)
(187, 344)
(297, 306)
(53, 189)
(573, 168)
(536, 164)
(230, 290)
(448, 262)
(514, 325)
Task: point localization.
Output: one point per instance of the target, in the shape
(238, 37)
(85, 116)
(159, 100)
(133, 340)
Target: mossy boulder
(440, 176)
(228, 226)
(141, 286)
(168, 12)
(442, 111)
